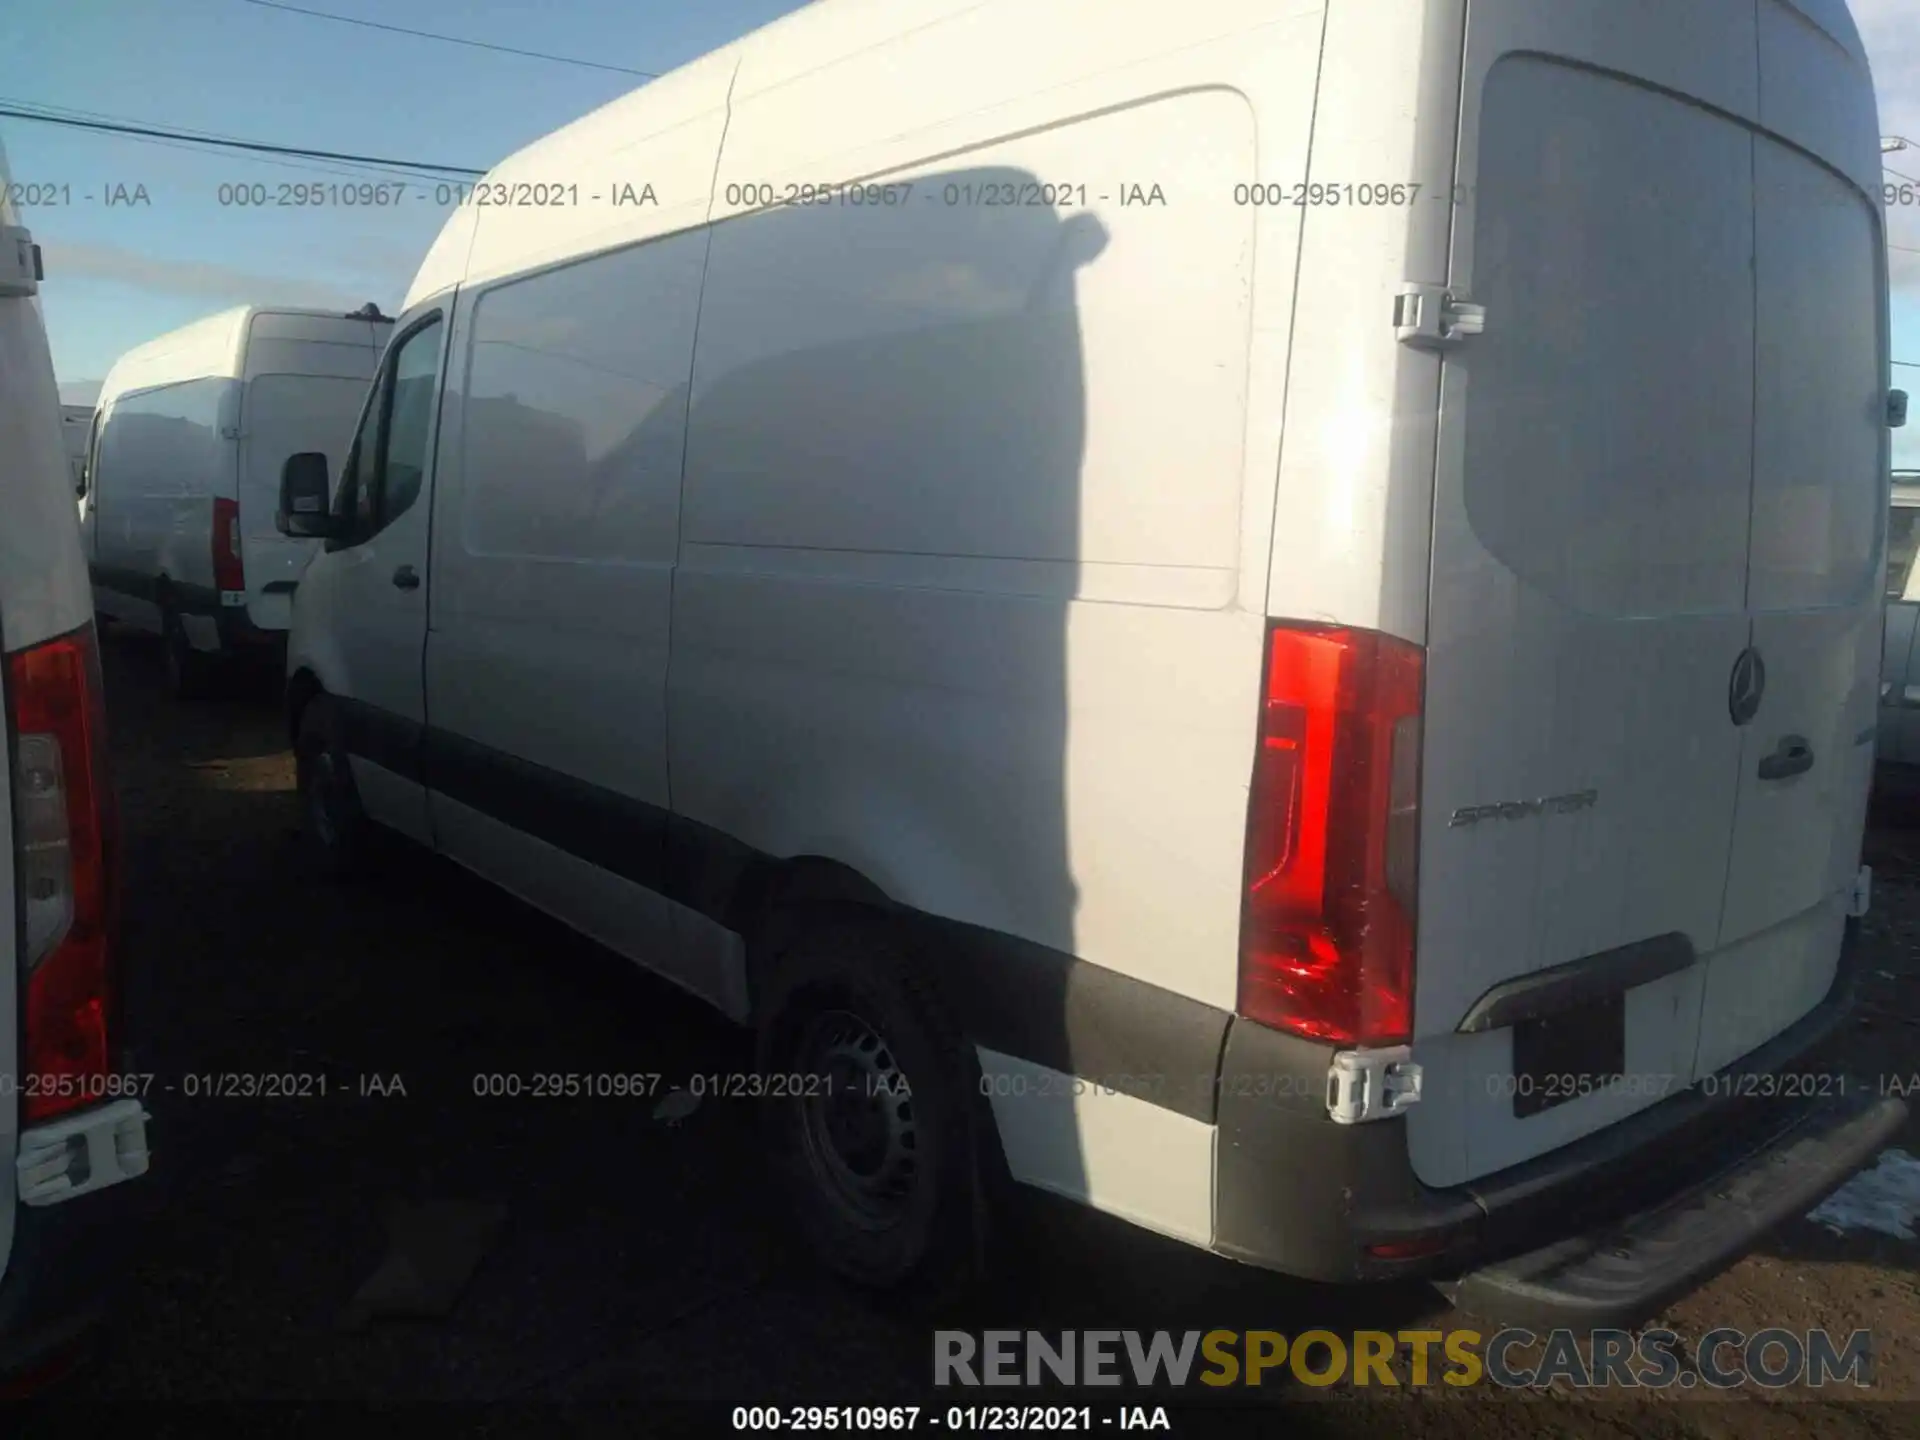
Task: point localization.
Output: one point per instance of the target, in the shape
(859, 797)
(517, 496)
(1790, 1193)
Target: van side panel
(961, 535)
(43, 589)
(1352, 523)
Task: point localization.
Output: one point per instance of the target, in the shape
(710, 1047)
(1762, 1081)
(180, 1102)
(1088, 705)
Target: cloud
(197, 278)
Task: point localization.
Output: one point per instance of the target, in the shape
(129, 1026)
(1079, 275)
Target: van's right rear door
(1590, 556)
(1819, 516)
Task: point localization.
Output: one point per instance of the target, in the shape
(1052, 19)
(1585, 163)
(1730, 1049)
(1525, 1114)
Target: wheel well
(301, 689)
(776, 899)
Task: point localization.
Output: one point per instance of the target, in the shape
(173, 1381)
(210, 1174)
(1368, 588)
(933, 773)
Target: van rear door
(1819, 508)
(1592, 810)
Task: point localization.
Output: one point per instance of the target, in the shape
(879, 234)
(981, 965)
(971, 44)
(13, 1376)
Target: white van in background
(1259, 619)
(69, 1126)
(1898, 750)
(184, 469)
(76, 428)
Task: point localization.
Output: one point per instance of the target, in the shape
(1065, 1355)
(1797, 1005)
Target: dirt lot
(636, 1268)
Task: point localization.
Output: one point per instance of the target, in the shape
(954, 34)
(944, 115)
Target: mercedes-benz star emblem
(1748, 684)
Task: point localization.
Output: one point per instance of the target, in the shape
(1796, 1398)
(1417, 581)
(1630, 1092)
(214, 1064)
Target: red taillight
(64, 820)
(228, 572)
(1409, 1249)
(1326, 943)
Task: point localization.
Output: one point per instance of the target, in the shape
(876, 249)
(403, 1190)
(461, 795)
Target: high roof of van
(662, 135)
(214, 347)
(561, 196)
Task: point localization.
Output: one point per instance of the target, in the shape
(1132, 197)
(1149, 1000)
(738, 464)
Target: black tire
(888, 1195)
(188, 672)
(336, 826)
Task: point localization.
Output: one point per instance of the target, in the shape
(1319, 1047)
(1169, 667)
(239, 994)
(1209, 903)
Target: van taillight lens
(64, 823)
(1326, 947)
(228, 572)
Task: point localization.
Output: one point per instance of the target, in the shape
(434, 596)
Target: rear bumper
(64, 1270)
(1619, 1273)
(1602, 1231)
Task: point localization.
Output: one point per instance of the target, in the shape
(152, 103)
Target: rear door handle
(1792, 756)
(406, 578)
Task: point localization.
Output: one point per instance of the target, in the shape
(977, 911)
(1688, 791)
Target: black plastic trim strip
(1579, 982)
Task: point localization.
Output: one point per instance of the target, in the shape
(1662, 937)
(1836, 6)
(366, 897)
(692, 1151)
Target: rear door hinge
(21, 270)
(1432, 317)
(1371, 1084)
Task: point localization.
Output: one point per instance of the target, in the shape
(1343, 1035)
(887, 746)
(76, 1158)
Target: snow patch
(1885, 1199)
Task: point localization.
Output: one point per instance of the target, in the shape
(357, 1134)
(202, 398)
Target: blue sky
(118, 275)
(122, 274)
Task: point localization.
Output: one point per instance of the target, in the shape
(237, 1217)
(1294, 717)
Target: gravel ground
(636, 1274)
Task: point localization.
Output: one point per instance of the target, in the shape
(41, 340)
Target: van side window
(354, 497)
(403, 452)
(388, 460)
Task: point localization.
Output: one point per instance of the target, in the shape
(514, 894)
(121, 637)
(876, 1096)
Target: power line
(253, 145)
(1900, 175)
(449, 39)
(198, 137)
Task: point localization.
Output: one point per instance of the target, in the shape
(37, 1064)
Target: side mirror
(304, 492)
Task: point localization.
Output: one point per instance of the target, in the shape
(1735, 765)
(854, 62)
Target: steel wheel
(858, 1128)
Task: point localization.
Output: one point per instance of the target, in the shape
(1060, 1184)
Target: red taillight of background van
(1326, 938)
(228, 572)
(64, 819)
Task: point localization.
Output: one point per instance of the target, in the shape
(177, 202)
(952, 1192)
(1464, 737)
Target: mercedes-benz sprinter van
(1261, 617)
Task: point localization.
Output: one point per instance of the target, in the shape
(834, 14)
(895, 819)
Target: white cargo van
(1258, 618)
(70, 1124)
(193, 429)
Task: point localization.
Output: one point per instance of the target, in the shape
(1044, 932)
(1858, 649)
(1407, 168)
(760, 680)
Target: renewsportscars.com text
(1516, 1359)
